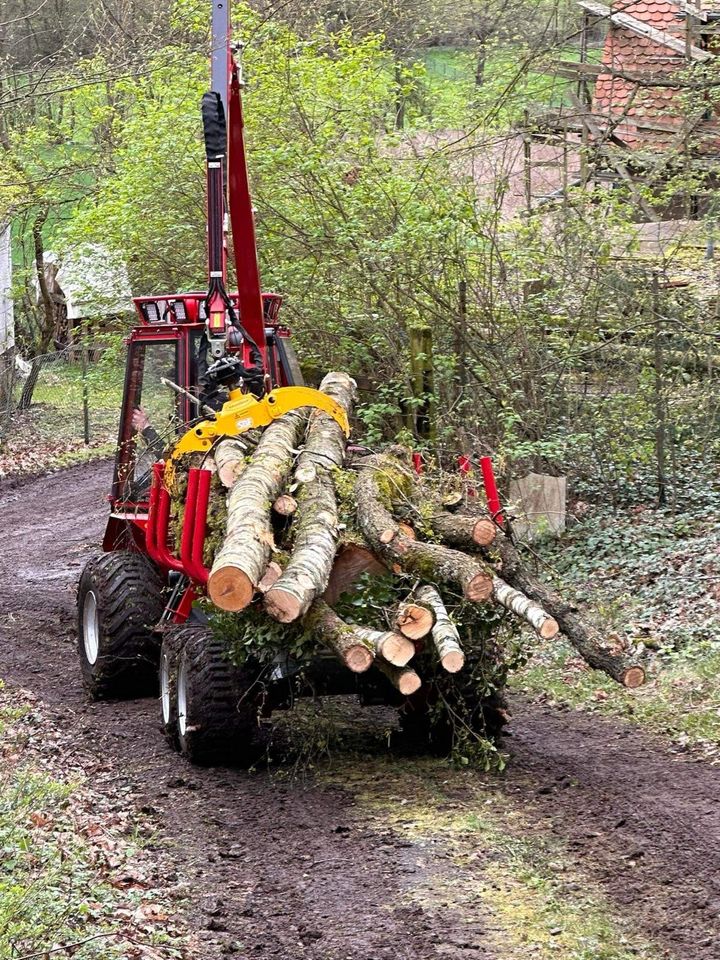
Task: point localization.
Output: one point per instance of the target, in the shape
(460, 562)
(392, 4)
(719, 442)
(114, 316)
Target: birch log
(397, 551)
(403, 679)
(602, 653)
(350, 644)
(241, 562)
(522, 606)
(391, 646)
(230, 459)
(444, 633)
(308, 571)
(414, 619)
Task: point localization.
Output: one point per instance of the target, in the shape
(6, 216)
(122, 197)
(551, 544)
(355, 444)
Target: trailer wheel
(216, 703)
(426, 725)
(119, 602)
(174, 639)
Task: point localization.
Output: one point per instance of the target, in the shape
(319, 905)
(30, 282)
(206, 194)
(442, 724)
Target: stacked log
(338, 522)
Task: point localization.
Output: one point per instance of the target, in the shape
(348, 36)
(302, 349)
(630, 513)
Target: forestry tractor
(200, 366)
(205, 369)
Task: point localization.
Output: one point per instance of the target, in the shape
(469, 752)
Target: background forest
(383, 141)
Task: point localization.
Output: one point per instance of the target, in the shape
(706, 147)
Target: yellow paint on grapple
(244, 412)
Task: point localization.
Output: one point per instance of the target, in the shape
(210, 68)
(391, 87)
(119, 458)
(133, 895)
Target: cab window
(151, 415)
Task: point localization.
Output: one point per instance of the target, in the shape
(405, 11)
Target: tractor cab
(167, 388)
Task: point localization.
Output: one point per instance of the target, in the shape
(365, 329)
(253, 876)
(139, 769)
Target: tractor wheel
(119, 602)
(216, 703)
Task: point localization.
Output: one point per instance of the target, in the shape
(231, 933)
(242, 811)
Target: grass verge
(74, 876)
(681, 699)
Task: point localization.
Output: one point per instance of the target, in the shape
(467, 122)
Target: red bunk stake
(201, 572)
(491, 491)
(163, 524)
(158, 522)
(188, 530)
(194, 523)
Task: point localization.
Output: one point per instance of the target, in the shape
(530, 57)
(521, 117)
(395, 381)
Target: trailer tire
(119, 602)
(217, 703)
(173, 641)
(426, 725)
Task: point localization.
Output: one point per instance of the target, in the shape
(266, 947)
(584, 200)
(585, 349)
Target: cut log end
(285, 505)
(358, 658)
(403, 679)
(479, 589)
(414, 621)
(409, 682)
(633, 677)
(453, 661)
(282, 605)
(387, 535)
(407, 530)
(549, 629)
(396, 649)
(230, 589)
(484, 532)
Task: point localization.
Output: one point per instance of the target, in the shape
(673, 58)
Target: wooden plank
(645, 30)
(617, 164)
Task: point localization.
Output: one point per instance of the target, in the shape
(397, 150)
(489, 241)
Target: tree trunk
(392, 647)
(307, 574)
(243, 558)
(444, 634)
(230, 460)
(403, 679)
(606, 655)
(351, 562)
(398, 552)
(465, 533)
(349, 643)
(48, 327)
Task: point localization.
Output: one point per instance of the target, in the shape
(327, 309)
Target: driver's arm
(141, 424)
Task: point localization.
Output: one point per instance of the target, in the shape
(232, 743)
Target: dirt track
(287, 870)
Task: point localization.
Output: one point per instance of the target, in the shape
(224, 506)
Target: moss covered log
(382, 478)
(316, 531)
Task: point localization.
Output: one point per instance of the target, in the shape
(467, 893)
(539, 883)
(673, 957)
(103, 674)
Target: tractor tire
(216, 703)
(119, 602)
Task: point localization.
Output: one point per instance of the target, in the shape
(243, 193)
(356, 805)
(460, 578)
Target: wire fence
(57, 404)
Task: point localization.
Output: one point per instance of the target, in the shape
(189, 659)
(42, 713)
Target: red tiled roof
(635, 108)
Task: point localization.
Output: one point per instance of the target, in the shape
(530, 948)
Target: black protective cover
(214, 126)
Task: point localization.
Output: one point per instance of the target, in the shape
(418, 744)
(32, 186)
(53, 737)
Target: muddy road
(294, 869)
